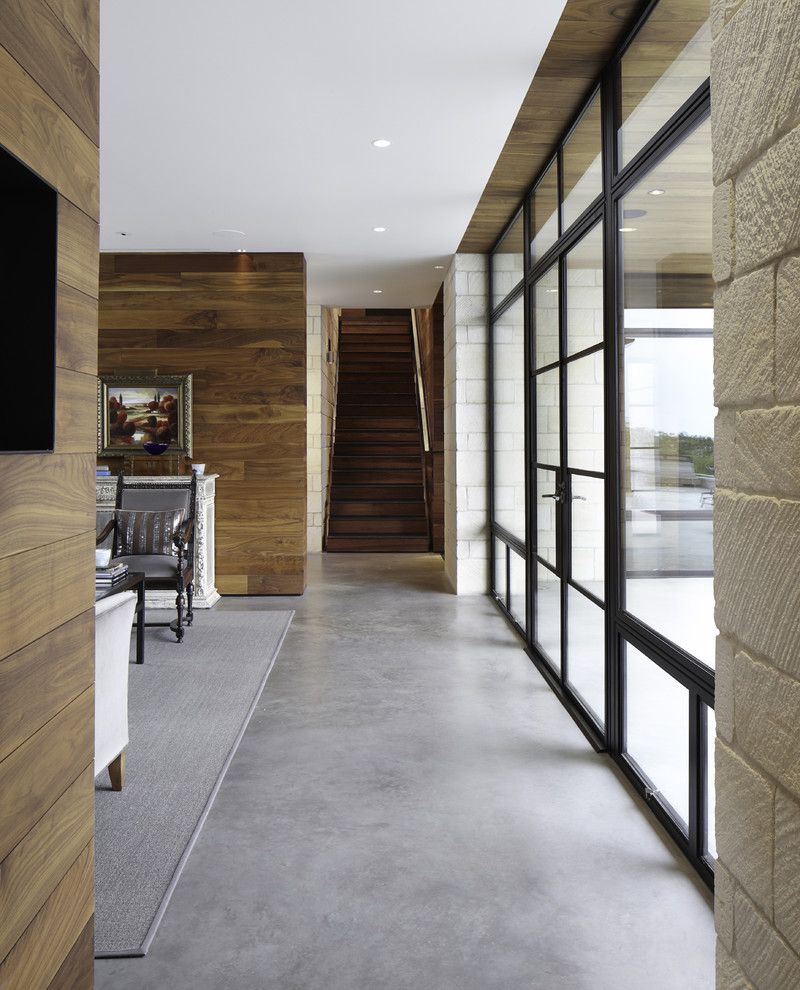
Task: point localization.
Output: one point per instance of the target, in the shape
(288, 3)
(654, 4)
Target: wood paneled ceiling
(584, 40)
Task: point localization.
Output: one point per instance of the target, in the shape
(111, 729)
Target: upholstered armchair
(153, 532)
(112, 645)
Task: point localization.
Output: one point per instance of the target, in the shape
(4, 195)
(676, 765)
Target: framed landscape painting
(147, 414)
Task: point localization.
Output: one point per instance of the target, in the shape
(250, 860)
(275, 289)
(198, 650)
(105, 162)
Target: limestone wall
(756, 134)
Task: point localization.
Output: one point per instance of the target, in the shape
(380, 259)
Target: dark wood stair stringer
(376, 500)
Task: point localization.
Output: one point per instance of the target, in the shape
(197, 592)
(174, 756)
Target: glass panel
(667, 396)
(667, 61)
(545, 318)
(711, 739)
(500, 569)
(583, 164)
(588, 534)
(586, 651)
(509, 419)
(585, 416)
(585, 292)
(544, 213)
(548, 416)
(507, 262)
(548, 614)
(657, 728)
(518, 588)
(546, 516)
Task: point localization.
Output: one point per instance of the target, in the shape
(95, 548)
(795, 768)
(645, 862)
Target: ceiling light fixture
(227, 232)
(657, 192)
(379, 230)
(439, 268)
(551, 290)
(381, 143)
(627, 230)
(377, 291)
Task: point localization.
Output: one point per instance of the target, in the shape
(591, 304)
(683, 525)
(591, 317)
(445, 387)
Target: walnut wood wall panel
(237, 322)
(585, 38)
(49, 119)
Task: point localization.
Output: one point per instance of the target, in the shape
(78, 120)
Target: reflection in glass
(546, 516)
(667, 396)
(583, 164)
(657, 728)
(711, 818)
(517, 588)
(500, 588)
(508, 350)
(668, 60)
(585, 416)
(544, 213)
(548, 614)
(585, 292)
(545, 318)
(588, 534)
(548, 416)
(507, 262)
(586, 651)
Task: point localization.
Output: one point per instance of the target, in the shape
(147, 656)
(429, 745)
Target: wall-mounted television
(28, 261)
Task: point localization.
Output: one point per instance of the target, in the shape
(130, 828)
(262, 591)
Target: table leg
(140, 623)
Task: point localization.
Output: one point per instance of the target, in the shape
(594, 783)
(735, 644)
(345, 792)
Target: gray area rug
(188, 707)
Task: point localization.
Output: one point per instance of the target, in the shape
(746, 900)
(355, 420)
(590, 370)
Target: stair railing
(326, 519)
(425, 446)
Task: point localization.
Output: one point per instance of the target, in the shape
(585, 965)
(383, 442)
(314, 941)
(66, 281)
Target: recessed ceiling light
(657, 192)
(551, 290)
(634, 214)
(381, 143)
(627, 230)
(438, 267)
(377, 291)
(241, 250)
(227, 232)
(379, 230)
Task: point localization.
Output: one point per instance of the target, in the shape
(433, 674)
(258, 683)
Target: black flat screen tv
(28, 260)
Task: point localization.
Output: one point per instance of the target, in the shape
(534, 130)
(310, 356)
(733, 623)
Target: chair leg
(116, 772)
(179, 630)
(189, 599)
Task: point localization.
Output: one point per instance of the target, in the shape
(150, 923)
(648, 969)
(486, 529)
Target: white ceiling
(258, 115)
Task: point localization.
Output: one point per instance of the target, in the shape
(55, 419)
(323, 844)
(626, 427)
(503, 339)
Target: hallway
(411, 807)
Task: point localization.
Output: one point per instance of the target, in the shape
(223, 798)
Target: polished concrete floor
(411, 807)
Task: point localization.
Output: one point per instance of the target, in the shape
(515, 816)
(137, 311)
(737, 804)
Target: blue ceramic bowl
(154, 448)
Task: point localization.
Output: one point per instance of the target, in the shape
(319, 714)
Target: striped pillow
(143, 531)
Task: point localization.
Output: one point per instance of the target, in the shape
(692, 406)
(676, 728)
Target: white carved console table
(205, 591)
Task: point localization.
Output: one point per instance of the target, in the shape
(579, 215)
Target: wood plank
(76, 335)
(77, 248)
(42, 45)
(43, 588)
(33, 869)
(60, 751)
(82, 20)
(76, 412)
(37, 957)
(30, 515)
(34, 129)
(41, 679)
(77, 970)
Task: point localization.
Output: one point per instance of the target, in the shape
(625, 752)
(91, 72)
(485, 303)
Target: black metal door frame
(621, 626)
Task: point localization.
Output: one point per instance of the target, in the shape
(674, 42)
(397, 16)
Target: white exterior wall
(466, 425)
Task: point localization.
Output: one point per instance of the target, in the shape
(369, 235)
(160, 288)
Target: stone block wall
(322, 327)
(466, 425)
(755, 81)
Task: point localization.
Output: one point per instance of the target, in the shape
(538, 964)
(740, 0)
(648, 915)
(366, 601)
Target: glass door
(568, 452)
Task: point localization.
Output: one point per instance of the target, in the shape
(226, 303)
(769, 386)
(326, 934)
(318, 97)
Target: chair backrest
(152, 496)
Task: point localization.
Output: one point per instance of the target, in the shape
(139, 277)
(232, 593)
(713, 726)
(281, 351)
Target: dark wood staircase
(377, 500)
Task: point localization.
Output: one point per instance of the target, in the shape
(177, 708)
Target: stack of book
(106, 577)
(103, 472)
